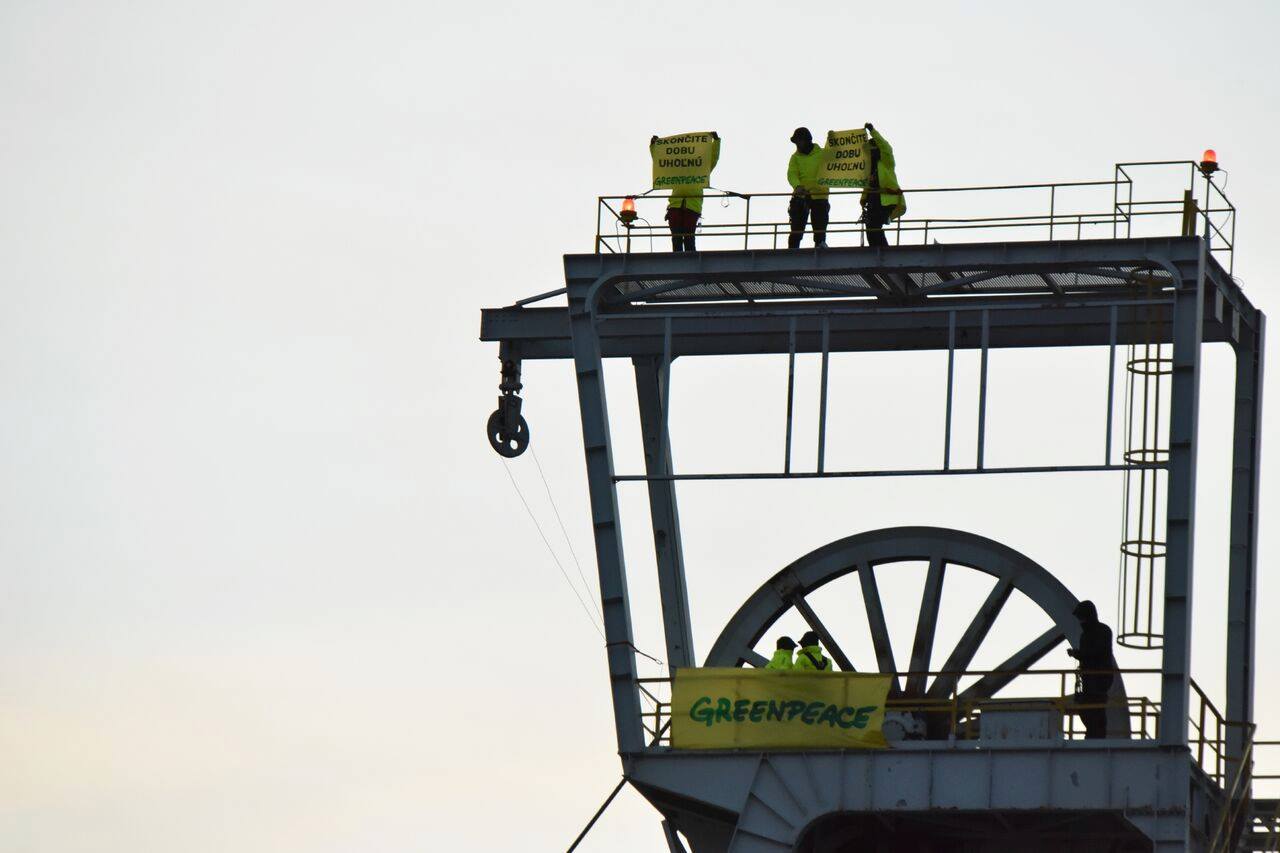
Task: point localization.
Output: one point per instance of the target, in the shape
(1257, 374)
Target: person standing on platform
(684, 208)
(811, 656)
(781, 660)
(883, 201)
(809, 201)
(1097, 670)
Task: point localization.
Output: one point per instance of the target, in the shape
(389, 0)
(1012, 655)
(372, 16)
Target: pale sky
(265, 585)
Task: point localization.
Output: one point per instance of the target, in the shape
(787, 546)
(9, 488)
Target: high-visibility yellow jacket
(781, 660)
(811, 657)
(802, 171)
(890, 191)
(691, 197)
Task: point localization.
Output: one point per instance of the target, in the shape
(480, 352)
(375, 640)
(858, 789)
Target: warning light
(628, 214)
(1209, 163)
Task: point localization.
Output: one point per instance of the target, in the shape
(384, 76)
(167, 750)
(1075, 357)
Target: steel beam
(739, 329)
(1243, 562)
(1141, 784)
(652, 389)
(926, 627)
(961, 258)
(1184, 406)
(606, 523)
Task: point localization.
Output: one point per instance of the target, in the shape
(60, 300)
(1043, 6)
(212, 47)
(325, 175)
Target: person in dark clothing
(1097, 669)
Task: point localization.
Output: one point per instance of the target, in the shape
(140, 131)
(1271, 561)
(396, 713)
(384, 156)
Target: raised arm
(886, 150)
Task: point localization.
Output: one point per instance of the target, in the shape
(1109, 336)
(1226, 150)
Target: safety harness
(816, 665)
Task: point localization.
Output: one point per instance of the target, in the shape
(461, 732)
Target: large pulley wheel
(856, 562)
(508, 439)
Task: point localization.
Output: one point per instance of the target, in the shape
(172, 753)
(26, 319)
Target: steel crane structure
(949, 780)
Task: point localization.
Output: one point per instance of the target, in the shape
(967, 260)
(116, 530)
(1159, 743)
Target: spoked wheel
(949, 554)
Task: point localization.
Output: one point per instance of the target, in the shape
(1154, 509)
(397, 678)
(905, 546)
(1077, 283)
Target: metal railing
(954, 718)
(1267, 753)
(1054, 211)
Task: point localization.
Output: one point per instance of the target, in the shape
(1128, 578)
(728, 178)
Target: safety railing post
(1231, 256)
(1200, 739)
(746, 229)
(1128, 219)
(1115, 201)
(1053, 191)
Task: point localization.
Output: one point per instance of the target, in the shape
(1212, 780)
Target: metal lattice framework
(653, 309)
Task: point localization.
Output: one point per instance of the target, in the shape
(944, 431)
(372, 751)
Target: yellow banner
(739, 708)
(845, 162)
(683, 161)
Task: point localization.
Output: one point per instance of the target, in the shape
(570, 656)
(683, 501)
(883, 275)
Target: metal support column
(606, 524)
(951, 384)
(1243, 563)
(982, 389)
(791, 395)
(1111, 383)
(822, 394)
(652, 393)
(1188, 319)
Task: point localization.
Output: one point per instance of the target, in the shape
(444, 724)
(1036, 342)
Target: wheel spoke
(993, 682)
(754, 658)
(944, 685)
(875, 620)
(841, 659)
(926, 626)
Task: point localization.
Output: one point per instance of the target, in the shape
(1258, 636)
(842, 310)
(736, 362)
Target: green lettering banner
(683, 161)
(739, 708)
(845, 162)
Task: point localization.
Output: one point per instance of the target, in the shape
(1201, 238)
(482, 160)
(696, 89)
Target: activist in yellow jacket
(690, 198)
(891, 197)
(810, 656)
(802, 171)
(781, 659)
(809, 200)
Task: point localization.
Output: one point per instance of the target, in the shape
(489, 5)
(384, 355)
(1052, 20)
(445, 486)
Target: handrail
(1235, 806)
(1208, 727)
(1123, 211)
(1144, 713)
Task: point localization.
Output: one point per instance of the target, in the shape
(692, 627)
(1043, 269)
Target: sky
(265, 585)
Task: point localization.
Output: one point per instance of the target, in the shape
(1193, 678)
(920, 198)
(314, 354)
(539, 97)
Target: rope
(574, 554)
(546, 486)
(633, 648)
(507, 467)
